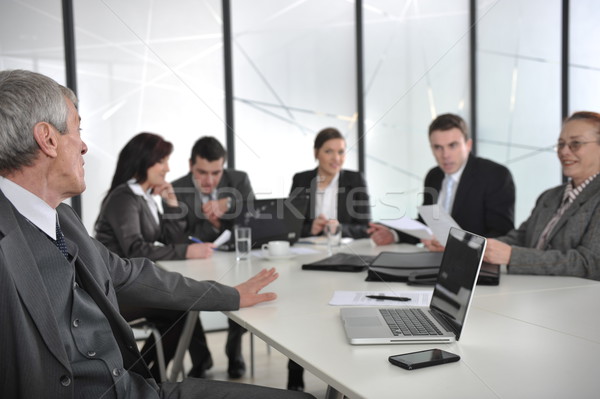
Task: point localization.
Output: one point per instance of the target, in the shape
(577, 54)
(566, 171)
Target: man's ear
(46, 137)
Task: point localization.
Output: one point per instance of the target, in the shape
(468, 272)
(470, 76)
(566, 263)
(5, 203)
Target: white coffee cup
(276, 248)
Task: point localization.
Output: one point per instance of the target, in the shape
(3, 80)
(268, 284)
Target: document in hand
(438, 220)
(410, 226)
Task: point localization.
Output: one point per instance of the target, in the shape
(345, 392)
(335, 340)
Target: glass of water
(243, 242)
(333, 232)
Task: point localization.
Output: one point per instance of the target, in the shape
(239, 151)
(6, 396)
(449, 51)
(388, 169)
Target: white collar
(457, 175)
(137, 189)
(32, 207)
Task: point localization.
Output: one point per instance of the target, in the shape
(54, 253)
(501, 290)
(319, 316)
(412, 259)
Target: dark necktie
(60, 241)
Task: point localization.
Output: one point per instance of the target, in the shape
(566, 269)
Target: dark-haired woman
(131, 225)
(336, 196)
(335, 193)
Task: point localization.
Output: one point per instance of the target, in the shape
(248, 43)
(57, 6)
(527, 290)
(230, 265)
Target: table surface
(531, 336)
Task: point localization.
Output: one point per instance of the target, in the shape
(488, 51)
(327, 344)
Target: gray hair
(27, 98)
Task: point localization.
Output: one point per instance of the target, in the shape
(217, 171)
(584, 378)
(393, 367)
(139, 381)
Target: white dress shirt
(326, 201)
(32, 207)
(444, 192)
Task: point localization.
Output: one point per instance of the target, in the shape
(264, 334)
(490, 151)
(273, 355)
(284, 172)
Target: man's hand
(214, 210)
(380, 235)
(433, 245)
(249, 290)
(497, 252)
(318, 225)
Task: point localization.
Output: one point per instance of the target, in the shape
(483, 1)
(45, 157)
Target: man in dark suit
(209, 194)
(479, 194)
(62, 334)
(210, 197)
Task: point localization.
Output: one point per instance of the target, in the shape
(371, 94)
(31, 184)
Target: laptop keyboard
(409, 322)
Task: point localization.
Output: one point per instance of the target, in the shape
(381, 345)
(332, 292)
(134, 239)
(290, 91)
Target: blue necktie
(60, 241)
(448, 197)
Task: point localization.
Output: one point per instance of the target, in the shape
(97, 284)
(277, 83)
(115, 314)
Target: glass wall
(584, 66)
(31, 37)
(294, 74)
(416, 67)
(146, 66)
(519, 92)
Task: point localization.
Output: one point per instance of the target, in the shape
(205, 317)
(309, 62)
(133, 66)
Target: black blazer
(234, 184)
(484, 202)
(353, 209)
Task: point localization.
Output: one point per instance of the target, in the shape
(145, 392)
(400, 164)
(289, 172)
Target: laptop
(274, 219)
(444, 319)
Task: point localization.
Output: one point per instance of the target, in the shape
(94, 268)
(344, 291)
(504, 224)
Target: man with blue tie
(478, 193)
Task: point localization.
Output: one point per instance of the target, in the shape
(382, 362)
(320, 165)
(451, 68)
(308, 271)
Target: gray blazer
(234, 184)
(34, 358)
(573, 247)
(127, 227)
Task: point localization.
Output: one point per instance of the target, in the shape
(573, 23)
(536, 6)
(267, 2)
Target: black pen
(391, 298)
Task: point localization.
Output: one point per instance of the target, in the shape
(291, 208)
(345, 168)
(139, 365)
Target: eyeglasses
(574, 146)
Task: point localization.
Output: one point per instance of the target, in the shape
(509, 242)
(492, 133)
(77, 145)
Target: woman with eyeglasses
(562, 234)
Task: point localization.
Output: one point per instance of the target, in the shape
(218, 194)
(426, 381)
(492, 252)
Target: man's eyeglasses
(574, 145)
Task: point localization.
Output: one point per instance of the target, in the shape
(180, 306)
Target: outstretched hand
(249, 290)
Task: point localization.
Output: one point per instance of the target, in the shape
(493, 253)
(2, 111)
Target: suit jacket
(234, 184)
(573, 246)
(127, 227)
(353, 209)
(34, 359)
(484, 202)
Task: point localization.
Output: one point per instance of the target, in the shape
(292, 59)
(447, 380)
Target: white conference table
(529, 337)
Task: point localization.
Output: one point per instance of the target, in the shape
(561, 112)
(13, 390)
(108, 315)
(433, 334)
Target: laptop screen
(274, 219)
(457, 277)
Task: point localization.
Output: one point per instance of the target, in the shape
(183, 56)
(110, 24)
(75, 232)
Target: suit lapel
(21, 264)
(464, 185)
(342, 194)
(582, 198)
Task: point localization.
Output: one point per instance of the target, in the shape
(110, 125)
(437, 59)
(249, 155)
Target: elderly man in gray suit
(210, 197)
(62, 334)
(562, 235)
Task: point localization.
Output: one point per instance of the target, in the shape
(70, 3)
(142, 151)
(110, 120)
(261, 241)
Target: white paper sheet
(410, 226)
(223, 238)
(354, 298)
(293, 251)
(438, 220)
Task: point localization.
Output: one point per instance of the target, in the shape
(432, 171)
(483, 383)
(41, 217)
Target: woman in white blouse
(131, 224)
(337, 196)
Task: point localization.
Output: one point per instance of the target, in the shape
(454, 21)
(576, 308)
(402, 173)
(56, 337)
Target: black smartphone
(426, 358)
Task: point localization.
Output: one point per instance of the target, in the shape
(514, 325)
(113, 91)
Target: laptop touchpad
(367, 321)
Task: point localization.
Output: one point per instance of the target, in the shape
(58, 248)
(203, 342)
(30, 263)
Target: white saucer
(288, 256)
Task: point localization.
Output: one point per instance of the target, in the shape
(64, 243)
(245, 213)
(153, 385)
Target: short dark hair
(139, 154)
(209, 148)
(450, 121)
(592, 117)
(325, 135)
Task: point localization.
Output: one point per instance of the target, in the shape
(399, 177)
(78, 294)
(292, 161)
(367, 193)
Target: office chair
(142, 329)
